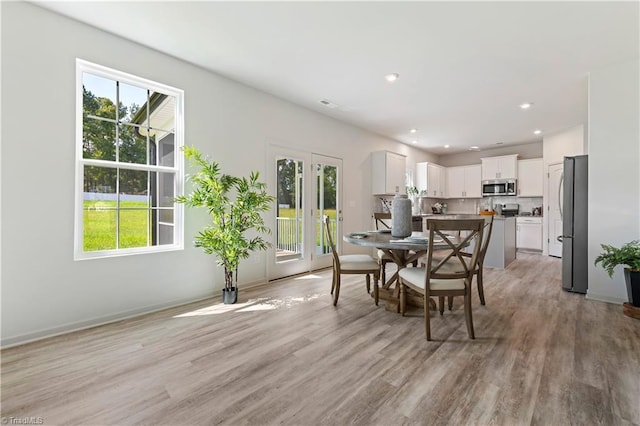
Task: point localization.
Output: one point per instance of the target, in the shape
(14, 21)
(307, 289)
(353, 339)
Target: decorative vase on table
(401, 216)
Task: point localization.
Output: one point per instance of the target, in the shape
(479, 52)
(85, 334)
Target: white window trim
(178, 229)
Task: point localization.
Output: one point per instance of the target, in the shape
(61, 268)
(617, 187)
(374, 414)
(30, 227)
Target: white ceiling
(464, 66)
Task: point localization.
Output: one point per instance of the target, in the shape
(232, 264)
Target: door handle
(559, 238)
(559, 189)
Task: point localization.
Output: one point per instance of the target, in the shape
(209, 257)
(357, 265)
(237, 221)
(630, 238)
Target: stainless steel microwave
(498, 187)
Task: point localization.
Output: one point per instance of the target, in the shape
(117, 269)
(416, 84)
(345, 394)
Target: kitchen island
(502, 246)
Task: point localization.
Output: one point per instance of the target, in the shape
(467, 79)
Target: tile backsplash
(470, 205)
(463, 205)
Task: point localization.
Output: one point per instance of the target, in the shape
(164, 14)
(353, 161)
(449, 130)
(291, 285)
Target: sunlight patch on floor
(308, 277)
(252, 305)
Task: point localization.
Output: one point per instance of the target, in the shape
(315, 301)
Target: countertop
(453, 215)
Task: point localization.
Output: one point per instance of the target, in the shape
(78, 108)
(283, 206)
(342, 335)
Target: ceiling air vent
(328, 104)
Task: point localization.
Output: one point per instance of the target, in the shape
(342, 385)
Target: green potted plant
(226, 235)
(628, 255)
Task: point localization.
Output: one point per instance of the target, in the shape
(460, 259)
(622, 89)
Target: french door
(306, 186)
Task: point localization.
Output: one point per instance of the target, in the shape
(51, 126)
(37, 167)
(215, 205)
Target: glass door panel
(287, 176)
(327, 178)
(289, 210)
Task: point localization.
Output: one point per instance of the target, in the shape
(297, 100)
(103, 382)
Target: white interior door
(554, 209)
(327, 192)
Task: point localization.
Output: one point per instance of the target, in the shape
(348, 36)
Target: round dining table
(402, 251)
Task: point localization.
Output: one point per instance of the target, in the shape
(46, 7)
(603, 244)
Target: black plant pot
(229, 295)
(632, 278)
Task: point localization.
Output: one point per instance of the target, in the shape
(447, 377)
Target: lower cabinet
(529, 233)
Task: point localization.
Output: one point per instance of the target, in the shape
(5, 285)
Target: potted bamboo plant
(629, 256)
(235, 205)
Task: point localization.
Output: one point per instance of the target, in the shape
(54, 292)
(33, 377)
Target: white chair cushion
(418, 277)
(354, 262)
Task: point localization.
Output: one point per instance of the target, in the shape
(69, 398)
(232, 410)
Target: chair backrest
(457, 234)
(327, 222)
(382, 220)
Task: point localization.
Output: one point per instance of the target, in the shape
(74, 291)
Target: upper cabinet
(431, 179)
(464, 182)
(388, 173)
(503, 167)
(530, 177)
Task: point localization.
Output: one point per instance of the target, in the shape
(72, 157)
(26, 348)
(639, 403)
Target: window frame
(83, 66)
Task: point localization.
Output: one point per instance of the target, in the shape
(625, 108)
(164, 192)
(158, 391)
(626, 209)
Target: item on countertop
(401, 216)
(438, 208)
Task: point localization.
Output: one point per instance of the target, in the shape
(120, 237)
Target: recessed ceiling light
(414, 142)
(392, 77)
(446, 146)
(474, 148)
(413, 130)
(537, 132)
(526, 105)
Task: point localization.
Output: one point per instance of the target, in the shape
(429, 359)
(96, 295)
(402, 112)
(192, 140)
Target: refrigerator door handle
(560, 189)
(559, 238)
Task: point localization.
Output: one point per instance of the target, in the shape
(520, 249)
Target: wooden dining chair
(486, 238)
(451, 275)
(383, 221)
(351, 264)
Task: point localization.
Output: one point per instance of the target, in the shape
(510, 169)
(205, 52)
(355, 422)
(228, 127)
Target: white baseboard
(90, 323)
(604, 298)
(107, 319)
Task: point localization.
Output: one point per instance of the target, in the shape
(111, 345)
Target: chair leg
(337, 290)
(383, 272)
(427, 319)
(480, 287)
(403, 298)
(468, 315)
(333, 280)
(450, 302)
(376, 292)
(441, 304)
(368, 281)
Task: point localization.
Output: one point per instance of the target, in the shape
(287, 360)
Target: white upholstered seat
(351, 264)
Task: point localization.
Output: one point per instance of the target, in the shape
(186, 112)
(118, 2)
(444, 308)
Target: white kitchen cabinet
(530, 177)
(529, 233)
(431, 178)
(502, 167)
(464, 182)
(388, 173)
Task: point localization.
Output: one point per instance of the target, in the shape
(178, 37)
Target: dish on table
(357, 235)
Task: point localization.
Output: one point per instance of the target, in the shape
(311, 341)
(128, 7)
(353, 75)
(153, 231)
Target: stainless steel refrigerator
(574, 224)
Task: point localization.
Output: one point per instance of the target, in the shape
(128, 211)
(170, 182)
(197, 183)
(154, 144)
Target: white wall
(614, 170)
(564, 144)
(555, 147)
(43, 290)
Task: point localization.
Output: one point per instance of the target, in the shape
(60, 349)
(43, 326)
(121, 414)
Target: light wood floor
(287, 356)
